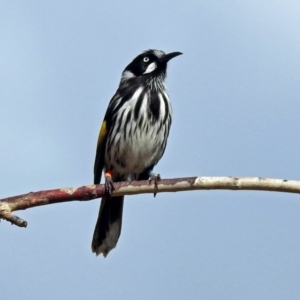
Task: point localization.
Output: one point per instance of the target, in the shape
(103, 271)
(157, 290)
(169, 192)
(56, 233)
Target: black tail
(108, 226)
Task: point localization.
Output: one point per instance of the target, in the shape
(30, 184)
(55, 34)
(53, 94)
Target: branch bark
(90, 192)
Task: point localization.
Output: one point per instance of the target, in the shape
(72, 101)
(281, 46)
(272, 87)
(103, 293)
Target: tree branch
(90, 192)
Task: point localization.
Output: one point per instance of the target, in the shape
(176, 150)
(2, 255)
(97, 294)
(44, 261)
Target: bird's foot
(109, 184)
(156, 178)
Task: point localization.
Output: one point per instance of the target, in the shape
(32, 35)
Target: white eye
(146, 59)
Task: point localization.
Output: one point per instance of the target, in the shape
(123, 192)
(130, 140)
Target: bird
(132, 138)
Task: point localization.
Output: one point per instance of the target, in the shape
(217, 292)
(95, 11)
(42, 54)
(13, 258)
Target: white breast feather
(142, 148)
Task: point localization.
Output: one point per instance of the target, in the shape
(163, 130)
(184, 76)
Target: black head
(150, 63)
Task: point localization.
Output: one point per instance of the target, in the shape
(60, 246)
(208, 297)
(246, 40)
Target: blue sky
(235, 96)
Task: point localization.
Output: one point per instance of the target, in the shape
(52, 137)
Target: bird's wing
(102, 138)
(99, 160)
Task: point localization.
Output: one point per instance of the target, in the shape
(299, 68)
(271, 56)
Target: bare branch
(90, 192)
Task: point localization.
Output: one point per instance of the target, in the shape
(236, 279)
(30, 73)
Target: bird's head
(150, 64)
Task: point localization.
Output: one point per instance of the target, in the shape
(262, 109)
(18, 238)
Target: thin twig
(90, 192)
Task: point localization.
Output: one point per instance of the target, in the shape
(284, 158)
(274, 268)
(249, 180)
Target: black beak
(169, 56)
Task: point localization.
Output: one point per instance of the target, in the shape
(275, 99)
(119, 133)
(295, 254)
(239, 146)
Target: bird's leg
(109, 184)
(156, 177)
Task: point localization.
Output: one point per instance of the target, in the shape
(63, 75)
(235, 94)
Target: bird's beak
(169, 56)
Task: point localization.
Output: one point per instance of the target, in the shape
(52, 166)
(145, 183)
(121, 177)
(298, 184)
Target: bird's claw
(156, 178)
(109, 185)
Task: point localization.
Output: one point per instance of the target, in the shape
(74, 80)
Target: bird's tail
(108, 226)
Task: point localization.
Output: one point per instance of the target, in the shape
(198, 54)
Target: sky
(235, 96)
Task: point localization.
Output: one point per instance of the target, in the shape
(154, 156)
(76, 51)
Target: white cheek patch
(151, 68)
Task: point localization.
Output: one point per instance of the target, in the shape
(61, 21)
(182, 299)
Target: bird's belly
(136, 152)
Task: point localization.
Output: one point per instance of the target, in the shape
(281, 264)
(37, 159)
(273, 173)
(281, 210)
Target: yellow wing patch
(102, 134)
